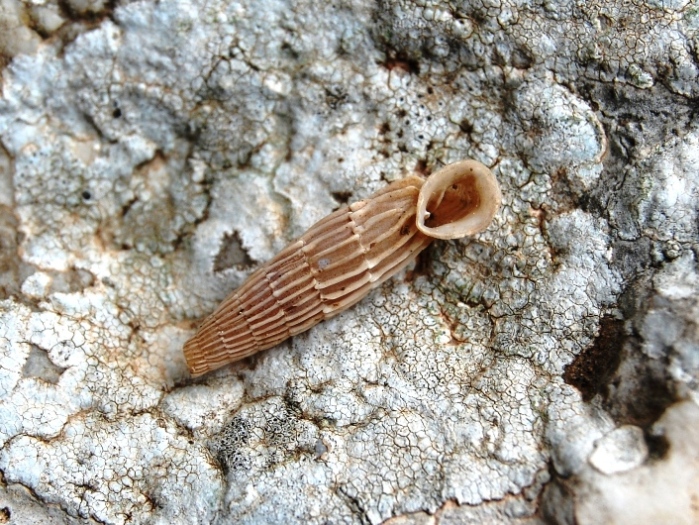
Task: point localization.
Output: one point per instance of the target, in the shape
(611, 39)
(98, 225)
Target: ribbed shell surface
(327, 270)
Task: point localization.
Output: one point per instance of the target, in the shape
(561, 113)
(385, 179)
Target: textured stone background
(545, 371)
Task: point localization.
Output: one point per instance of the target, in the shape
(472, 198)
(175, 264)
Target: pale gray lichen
(662, 491)
(152, 158)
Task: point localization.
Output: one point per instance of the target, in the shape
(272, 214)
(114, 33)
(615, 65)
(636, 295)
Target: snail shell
(341, 258)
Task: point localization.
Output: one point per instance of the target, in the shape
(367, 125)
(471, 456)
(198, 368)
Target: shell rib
(339, 259)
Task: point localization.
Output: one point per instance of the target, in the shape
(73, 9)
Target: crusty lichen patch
(151, 159)
(96, 465)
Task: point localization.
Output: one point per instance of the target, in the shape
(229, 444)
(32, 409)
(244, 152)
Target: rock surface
(153, 154)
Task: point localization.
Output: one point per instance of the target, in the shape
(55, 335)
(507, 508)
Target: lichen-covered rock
(620, 489)
(153, 154)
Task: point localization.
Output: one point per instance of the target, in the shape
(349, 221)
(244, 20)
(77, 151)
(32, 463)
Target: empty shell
(341, 258)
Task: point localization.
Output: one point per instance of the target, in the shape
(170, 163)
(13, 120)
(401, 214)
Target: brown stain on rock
(592, 369)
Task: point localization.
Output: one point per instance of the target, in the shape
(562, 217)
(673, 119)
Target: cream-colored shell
(339, 259)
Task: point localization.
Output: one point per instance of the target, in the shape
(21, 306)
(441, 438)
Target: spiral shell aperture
(341, 258)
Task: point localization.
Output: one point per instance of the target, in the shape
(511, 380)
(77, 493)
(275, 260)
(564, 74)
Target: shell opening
(458, 200)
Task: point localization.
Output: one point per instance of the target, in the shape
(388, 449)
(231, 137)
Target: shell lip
(458, 200)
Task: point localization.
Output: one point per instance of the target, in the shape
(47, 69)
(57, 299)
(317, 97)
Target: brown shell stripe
(327, 270)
